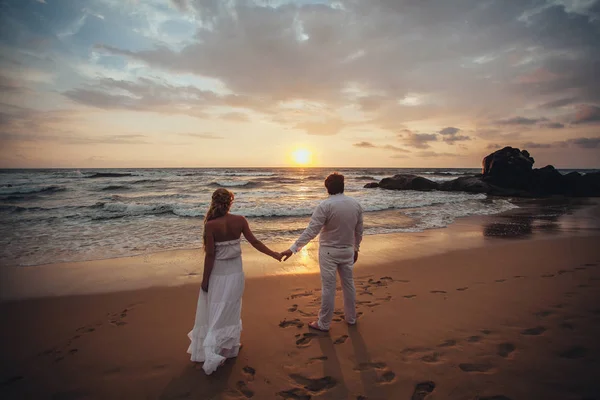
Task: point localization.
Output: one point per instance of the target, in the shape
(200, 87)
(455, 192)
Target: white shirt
(339, 219)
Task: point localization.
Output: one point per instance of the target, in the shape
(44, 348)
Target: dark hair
(335, 183)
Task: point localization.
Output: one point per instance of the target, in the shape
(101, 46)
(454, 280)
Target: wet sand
(450, 314)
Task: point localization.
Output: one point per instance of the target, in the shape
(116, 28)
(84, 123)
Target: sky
(249, 83)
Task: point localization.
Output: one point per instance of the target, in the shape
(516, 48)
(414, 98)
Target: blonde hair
(219, 206)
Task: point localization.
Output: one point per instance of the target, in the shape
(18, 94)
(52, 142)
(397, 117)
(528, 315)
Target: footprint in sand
(387, 298)
(505, 349)
(293, 308)
(294, 322)
(410, 296)
(472, 367)
(438, 292)
(518, 276)
(543, 313)
(547, 276)
(386, 377)
(500, 280)
(486, 331)
(305, 339)
(580, 268)
(462, 289)
(563, 271)
(574, 352)
(448, 343)
(431, 358)
(474, 339)
(538, 330)
(249, 371)
(590, 265)
(414, 350)
(341, 339)
(370, 365)
(321, 358)
(295, 394)
(303, 294)
(567, 325)
(386, 278)
(244, 390)
(422, 390)
(314, 385)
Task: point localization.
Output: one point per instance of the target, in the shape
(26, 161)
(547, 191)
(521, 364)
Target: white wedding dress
(218, 326)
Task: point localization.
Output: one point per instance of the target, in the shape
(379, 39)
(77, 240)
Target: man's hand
(355, 257)
(205, 286)
(286, 254)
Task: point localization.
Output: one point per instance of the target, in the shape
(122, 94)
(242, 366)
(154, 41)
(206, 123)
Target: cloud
(449, 131)
(581, 142)
(235, 117)
(181, 5)
(369, 145)
(418, 140)
(584, 142)
(520, 121)
(558, 103)
(396, 148)
(323, 128)
(202, 135)
(449, 135)
(456, 138)
(72, 139)
(553, 125)
(587, 114)
(364, 145)
(531, 145)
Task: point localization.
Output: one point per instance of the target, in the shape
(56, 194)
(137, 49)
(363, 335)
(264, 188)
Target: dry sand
(512, 320)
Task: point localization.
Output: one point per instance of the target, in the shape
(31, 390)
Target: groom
(339, 219)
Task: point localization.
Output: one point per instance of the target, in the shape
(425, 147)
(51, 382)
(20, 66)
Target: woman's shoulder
(237, 217)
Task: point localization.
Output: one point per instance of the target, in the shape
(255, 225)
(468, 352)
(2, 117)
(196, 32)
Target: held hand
(205, 286)
(277, 256)
(355, 257)
(286, 254)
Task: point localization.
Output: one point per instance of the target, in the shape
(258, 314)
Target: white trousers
(332, 260)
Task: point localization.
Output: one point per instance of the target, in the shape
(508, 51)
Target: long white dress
(218, 325)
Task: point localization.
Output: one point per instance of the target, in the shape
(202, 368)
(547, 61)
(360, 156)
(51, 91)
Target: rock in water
(408, 182)
(371, 185)
(508, 167)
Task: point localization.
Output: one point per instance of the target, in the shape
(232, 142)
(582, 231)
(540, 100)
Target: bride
(218, 325)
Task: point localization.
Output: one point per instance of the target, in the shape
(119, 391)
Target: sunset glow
(302, 157)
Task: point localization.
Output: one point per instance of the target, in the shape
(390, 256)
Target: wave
(146, 181)
(279, 179)
(366, 178)
(32, 190)
(116, 187)
(108, 175)
(240, 184)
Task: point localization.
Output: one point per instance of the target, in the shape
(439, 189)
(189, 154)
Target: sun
(302, 156)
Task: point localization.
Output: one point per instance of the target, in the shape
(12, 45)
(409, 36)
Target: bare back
(228, 227)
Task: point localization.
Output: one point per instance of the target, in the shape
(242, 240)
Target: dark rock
(506, 172)
(471, 184)
(371, 185)
(408, 182)
(545, 181)
(508, 167)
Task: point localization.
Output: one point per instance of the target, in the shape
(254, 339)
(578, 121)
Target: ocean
(63, 215)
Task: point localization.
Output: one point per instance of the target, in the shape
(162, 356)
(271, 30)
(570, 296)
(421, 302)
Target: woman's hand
(205, 286)
(277, 256)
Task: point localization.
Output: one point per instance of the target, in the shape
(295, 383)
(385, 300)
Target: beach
(491, 307)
